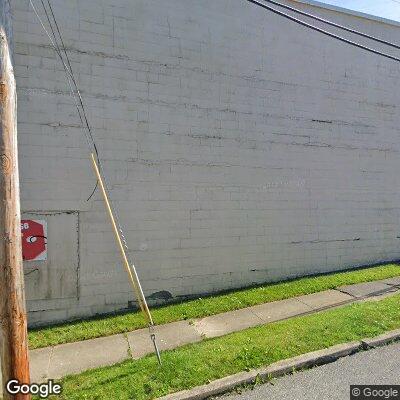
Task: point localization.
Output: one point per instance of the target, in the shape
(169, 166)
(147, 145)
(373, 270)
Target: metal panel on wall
(54, 276)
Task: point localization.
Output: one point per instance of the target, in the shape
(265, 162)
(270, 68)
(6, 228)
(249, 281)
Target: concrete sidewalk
(59, 361)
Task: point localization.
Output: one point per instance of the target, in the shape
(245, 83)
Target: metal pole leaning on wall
(130, 269)
(13, 323)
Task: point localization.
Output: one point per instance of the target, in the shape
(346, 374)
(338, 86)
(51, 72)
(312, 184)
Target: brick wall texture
(240, 148)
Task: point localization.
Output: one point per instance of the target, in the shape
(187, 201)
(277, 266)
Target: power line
(328, 22)
(69, 74)
(76, 93)
(59, 34)
(323, 31)
(69, 71)
(70, 67)
(78, 98)
(71, 81)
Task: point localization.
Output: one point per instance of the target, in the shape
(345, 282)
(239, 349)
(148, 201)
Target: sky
(382, 8)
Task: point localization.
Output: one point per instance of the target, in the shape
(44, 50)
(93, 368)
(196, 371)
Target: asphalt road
(332, 381)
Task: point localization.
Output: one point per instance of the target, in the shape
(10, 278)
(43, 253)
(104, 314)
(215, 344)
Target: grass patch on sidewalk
(109, 325)
(199, 363)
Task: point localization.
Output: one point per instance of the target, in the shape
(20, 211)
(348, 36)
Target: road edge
(283, 367)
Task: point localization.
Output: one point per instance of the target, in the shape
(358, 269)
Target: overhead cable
(323, 31)
(328, 22)
(75, 92)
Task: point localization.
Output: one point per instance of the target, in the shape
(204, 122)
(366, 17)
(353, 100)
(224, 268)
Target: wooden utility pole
(13, 324)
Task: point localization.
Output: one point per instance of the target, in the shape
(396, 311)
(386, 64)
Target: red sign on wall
(34, 240)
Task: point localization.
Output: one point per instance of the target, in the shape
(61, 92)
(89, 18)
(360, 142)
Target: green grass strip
(199, 363)
(105, 326)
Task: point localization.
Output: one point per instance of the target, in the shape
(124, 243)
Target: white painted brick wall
(240, 148)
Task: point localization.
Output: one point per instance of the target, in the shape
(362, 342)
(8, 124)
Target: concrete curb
(381, 340)
(280, 368)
